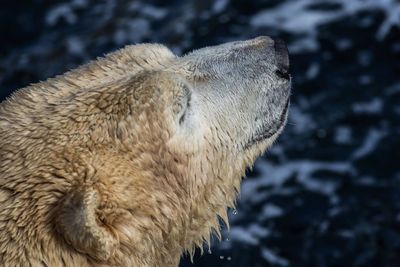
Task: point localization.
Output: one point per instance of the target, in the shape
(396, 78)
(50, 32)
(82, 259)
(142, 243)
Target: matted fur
(105, 166)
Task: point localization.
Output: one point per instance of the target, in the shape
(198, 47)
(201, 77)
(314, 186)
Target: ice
(297, 18)
(392, 18)
(133, 31)
(364, 58)
(61, 12)
(365, 79)
(300, 121)
(272, 258)
(344, 44)
(75, 46)
(148, 11)
(219, 5)
(343, 135)
(366, 180)
(65, 11)
(312, 71)
(241, 235)
(276, 175)
(374, 106)
(154, 12)
(271, 211)
(394, 89)
(258, 231)
(370, 143)
(250, 235)
(346, 234)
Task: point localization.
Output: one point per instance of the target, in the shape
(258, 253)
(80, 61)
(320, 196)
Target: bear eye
(182, 103)
(185, 109)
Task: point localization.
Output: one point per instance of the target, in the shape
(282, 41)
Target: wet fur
(95, 171)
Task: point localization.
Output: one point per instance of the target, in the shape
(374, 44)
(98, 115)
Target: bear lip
(267, 133)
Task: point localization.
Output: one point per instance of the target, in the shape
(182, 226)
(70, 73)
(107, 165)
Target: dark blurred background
(328, 193)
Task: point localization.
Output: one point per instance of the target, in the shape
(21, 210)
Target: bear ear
(79, 225)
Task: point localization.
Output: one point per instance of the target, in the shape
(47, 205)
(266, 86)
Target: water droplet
(234, 212)
(221, 257)
(229, 258)
(209, 251)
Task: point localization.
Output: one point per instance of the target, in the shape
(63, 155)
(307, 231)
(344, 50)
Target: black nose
(281, 56)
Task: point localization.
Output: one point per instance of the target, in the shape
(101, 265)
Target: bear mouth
(270, 131)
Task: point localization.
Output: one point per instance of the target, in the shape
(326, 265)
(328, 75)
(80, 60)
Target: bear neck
(211, 194)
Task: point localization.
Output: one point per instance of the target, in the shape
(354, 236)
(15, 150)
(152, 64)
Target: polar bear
(131, 159)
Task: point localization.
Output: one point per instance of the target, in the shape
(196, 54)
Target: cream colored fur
(96, 171)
